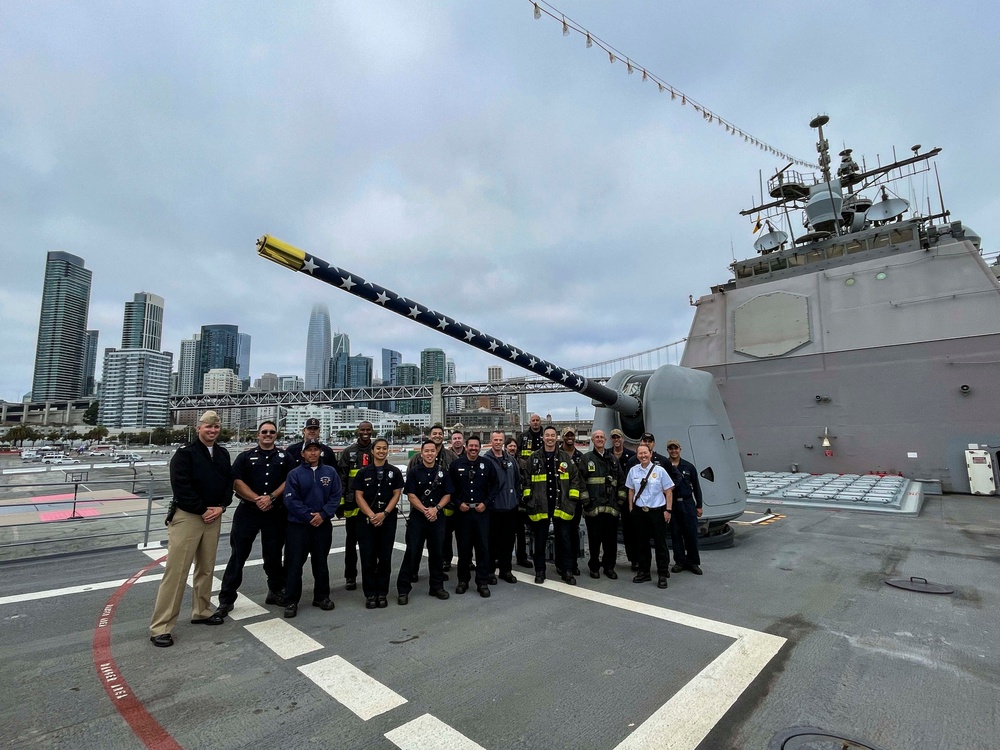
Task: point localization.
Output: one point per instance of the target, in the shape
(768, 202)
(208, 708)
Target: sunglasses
(268, 432)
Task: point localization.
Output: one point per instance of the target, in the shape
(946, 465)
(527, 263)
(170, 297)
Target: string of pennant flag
(571, 27)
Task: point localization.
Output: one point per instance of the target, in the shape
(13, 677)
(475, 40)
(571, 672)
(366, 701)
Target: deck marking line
(683, 722)
(686, 719)
(147, 729)
(429, 733)
(283, 638)
(243, 608)
(348, 685)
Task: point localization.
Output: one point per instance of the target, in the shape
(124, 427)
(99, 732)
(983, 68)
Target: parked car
(127, 458)
(59, 460)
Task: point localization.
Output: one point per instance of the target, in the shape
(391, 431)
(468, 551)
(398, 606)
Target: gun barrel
(297, 260)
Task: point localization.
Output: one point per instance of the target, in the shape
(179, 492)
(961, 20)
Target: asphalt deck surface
(600, 665)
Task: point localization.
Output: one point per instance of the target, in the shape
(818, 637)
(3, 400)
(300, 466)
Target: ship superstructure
(869, 343)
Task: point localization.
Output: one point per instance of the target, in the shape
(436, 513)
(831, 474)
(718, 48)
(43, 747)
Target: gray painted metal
(899, 370)
(684, 404)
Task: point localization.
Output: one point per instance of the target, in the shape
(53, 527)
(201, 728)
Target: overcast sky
(462, 154)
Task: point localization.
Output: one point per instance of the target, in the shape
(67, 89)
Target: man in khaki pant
(201, 480)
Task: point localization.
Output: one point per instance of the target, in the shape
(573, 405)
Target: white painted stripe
(364, 695)
(50, 593)
(152, 553)
(243, 608)
(283, 638)
(686, 719)
(651, 610)
(429, 733)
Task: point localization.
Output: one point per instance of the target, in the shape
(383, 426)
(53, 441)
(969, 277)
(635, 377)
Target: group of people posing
(493, 503)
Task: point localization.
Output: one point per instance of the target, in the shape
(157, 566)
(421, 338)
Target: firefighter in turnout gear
(605, 480)
(552, 490)
(528, 442)
(352, 460)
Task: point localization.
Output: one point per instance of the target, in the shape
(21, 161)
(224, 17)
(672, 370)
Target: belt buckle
(644, 509)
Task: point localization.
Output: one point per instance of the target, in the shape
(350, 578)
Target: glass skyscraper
(143, 326)
(217, 349)
(60, 354)
(318, 350)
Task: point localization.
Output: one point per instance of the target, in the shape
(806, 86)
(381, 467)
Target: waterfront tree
(19, 433)
(90, 416)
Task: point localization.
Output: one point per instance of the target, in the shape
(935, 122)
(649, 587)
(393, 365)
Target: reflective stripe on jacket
(605, 483)
(352, 460)
(535, 500)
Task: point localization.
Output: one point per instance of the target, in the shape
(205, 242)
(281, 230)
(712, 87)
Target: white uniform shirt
(659, 482)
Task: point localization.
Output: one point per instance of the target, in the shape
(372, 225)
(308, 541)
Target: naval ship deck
(793, 626)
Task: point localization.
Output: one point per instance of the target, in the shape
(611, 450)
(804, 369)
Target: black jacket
(200, 481)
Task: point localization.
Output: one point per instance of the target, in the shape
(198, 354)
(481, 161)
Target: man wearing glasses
(259, 481)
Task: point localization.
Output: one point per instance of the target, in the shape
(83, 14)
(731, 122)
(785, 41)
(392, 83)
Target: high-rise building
(243, 359)
(318, 349)
(143, 325)
(408, 374)
(359, 375)
(90, 364)
(360, 371)
(433, 366)
(217, 350)
(224, 380)
(187, 365)
(136, 380)
(62, 327)
(432, 370)
(391, 359)
(291, 383)
(494, 374)
(340, 342)
(134, 388)
(453, 405)
(267, 382)
(339, 361)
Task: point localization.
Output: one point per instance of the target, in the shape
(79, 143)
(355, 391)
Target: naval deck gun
(670, 402)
